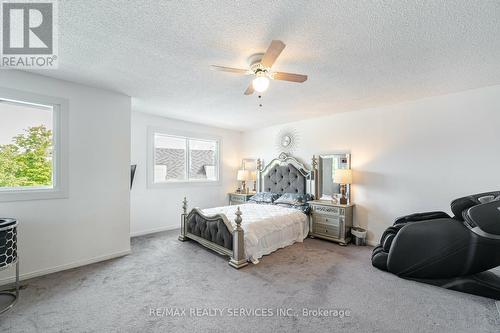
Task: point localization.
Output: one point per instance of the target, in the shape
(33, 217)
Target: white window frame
(60, 123)
(188, 136)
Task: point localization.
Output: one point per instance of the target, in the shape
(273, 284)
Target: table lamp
(343, 177)
(243, 176)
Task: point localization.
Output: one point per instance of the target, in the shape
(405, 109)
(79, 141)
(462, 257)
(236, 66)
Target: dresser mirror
(327, 165)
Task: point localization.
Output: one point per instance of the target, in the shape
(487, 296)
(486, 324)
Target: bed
(259, 228)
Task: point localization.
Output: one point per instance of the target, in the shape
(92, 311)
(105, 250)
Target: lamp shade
(243, 175)
(343, 176)
(260, 83)
(253, 175)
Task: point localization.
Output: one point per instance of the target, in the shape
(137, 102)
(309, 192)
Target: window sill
(184, 184)
(32, 194)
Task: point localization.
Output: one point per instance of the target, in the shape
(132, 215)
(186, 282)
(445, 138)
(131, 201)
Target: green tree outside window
(27, 161)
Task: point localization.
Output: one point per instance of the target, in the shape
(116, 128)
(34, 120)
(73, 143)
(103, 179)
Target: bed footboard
(215, 232)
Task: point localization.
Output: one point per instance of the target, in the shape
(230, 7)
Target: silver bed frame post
(314, 181)
(259, 170)
(182, 236)
(238, 258)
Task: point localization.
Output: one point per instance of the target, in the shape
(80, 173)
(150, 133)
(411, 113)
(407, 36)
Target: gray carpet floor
(162, 273)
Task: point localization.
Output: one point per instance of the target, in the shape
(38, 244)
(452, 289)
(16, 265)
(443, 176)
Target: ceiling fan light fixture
(260, 66)
(260, 83)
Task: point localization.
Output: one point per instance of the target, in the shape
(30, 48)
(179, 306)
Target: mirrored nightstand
(331, 221)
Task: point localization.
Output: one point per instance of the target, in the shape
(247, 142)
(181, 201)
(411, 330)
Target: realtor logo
(29, 34)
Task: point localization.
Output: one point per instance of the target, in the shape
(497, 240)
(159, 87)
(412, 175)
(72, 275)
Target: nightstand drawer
(327, 230)
(327, 210)
(327, 219)
(237, 198)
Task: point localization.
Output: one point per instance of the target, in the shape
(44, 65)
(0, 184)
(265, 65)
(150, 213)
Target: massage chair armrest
(421, 217)
(391, 232)
(420, 249)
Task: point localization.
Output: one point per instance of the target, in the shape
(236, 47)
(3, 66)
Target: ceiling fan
(260, 67)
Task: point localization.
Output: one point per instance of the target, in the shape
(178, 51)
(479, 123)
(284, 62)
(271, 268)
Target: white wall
(406, 158)
(93, 222)
(156, 209)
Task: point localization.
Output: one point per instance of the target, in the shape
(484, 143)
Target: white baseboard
(64, 267)
(154, 230)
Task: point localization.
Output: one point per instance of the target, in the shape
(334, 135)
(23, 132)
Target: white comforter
(267, 227)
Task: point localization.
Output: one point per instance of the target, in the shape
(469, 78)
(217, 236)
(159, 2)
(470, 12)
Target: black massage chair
(452, 252)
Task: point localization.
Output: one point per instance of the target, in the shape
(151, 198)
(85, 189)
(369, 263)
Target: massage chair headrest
(485, 219)
(458, 206)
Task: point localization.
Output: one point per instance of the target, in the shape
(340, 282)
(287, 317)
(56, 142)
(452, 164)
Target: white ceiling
(357, 54)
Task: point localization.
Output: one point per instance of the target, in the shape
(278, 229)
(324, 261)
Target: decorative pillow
(293, 199)
(264, 197)
(302, 207)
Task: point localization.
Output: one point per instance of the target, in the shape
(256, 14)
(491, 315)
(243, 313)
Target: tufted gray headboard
(284, 179)
(285, 174)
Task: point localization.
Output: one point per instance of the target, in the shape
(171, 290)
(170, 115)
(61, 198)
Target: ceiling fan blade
(289, 77)
(272, 53)
(231, 70)
(249, 90)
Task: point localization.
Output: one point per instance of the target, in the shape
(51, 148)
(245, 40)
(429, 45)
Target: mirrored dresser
(331, 221)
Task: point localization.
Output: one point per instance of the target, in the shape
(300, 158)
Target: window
(31, 154)
(26, 145)
(184, 159)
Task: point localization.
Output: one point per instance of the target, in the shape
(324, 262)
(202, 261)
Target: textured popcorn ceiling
(357, 54)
